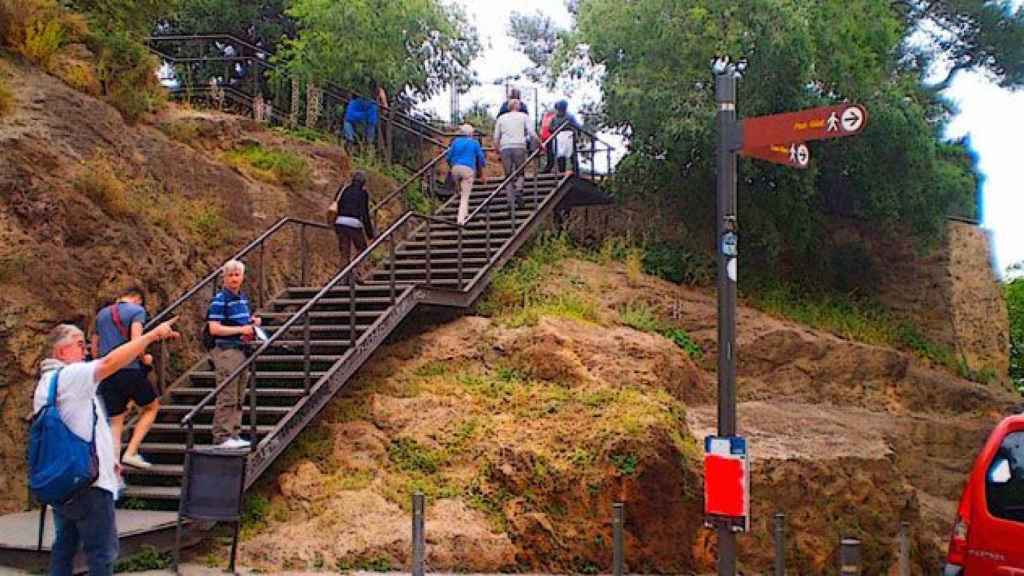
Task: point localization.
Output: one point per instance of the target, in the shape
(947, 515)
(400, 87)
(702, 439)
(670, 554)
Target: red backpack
(545, 125)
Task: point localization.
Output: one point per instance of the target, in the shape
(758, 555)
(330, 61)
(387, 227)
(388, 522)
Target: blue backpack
(60, 464)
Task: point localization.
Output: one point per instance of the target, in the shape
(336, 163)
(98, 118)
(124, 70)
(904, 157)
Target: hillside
(579, 381)
(88, 203)
(524, 425)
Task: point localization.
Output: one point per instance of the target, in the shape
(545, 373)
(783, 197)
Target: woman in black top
(353, 226)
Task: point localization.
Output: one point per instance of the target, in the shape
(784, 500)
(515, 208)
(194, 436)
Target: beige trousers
(227, 416)
(463, 176)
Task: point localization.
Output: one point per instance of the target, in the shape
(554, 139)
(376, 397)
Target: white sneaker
(233, 444)
(242, 442)
(136, 461)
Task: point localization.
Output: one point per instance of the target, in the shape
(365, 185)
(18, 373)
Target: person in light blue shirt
(465, 158)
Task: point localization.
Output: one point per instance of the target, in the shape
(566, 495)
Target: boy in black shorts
(116, 324)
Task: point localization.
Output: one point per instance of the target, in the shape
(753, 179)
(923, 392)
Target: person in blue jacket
(465, 157)
(361, 114)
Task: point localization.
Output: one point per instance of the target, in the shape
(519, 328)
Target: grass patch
(860, 321)
(184, 131)
(148, 558)
(303, 133)
(13, 266)
(205, 220)
(1014, 294)
(411, 456)
(98, 181)
(626, 464)
(274, 166)
(572, 305)
(6, 99)
(640, 316)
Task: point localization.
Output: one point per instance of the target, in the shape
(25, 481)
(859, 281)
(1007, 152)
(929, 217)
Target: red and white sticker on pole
(726, 483)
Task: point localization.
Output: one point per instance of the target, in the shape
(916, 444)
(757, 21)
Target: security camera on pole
(781, 139)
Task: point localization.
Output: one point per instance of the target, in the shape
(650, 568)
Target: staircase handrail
(252, 245)
(522, 168)
(425, 127)
(281, 330)
(409, 182)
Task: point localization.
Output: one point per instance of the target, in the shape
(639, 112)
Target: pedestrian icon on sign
(792, 152)
(833, 123)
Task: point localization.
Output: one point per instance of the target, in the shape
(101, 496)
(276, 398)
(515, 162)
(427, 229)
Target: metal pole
(252, 402)
(352, 308)
(849, 557)
(303, 253)
(162, 374)
(460, 258)
(725, 96)
(262, 277)
(904, 548)
(617, 520)
(780, 544)
(305, 352)
(417, 534)
(428, 252)
(391, 267)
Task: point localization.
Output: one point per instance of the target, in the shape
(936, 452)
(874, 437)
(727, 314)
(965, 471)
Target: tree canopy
(654, 62)
(416, 45)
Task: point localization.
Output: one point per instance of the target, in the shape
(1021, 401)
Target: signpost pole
(725, 96)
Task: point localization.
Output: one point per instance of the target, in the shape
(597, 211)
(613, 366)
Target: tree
(417, 45)
(968, 34)
(263, 23)
(657, 89)
(537, 36)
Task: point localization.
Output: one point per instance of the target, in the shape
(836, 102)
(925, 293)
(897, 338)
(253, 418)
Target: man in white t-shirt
(88, 519)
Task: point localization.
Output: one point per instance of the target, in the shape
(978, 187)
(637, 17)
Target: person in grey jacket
(512, 133)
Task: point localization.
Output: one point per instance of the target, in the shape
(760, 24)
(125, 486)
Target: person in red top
(545, 133)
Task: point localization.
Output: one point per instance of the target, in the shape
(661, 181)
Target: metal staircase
(320, 335)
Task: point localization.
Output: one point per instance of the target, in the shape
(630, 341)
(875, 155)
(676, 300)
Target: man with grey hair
(513, 132)
(232, 326)
(465, 157)
(87, 520)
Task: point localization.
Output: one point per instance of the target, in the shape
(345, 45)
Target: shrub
(682, 339)
(79, 75)
(639, 316)
(38, 28)
(148, 558)
(6, 99)
(127, 74)
(678, 264)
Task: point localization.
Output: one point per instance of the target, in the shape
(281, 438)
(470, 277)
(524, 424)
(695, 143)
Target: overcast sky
(992, 117)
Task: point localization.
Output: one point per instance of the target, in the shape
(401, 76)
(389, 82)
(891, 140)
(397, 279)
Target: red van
(988, 534)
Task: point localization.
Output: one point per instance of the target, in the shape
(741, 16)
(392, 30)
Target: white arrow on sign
(800, 155)
(853, 118)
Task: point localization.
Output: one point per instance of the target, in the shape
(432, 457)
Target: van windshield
(1004, 482)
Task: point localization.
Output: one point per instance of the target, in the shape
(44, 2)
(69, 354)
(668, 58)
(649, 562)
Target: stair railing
(348, 275)
(257, 246)
(423, 133)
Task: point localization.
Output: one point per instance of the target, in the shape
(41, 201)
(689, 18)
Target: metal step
(203, 391)
(186, 408)
(156, 470)
(366, 300)
(176, 427)
(261, 375)
(152, 492)
(284, 316)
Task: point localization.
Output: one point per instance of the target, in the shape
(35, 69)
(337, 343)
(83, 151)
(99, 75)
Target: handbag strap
(115, 315)
(51, 400)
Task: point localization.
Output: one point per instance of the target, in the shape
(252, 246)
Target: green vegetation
(411, 456)
(517, 293)
(1014, 292)
(184, 131)
(420, 46)
(625, 463)
(303, 133)
(147, 558)
(858, 320)
(640, 316)
(99, 182)
(656, 83)
(275, 166)
(676, 263)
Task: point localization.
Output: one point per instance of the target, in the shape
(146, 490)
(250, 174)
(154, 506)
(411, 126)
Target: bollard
(904, 548)
(417, 534)
(617, 519)
(849, 557)
(780, 544)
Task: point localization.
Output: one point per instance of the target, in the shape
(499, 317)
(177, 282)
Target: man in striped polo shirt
(232, 326)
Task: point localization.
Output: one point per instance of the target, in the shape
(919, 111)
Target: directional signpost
(782, 139)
